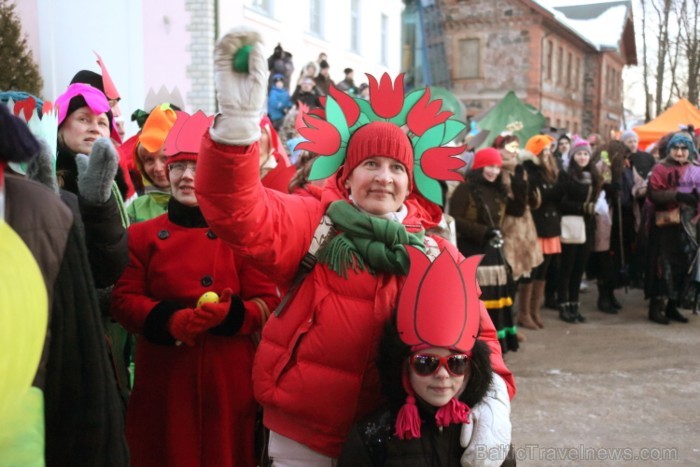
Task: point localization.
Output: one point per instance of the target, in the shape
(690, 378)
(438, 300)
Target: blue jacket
(278, 102)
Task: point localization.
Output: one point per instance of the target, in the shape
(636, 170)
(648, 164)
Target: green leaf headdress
(429, 130)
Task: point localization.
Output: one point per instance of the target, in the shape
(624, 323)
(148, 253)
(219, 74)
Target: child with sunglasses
(433, 371)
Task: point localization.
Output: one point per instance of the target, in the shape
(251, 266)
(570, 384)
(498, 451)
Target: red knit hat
(485, 157)
(378, 139)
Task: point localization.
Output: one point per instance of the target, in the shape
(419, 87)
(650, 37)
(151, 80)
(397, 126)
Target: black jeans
(572, 264)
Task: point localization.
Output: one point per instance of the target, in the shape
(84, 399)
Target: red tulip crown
(327, 132)
(439, 302)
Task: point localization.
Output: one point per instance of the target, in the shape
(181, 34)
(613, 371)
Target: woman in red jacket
(192, 402)
(314, 372)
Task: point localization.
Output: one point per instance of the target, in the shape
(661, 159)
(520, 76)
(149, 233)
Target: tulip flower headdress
(429, 129)
(438, 307)
(41, 118)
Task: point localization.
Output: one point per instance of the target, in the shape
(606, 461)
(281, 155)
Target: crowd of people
(333, 283)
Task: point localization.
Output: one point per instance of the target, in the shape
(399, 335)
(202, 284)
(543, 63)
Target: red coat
(190, 406)
(314, 372)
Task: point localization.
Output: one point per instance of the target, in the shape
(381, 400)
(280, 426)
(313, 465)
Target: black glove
(492, 232)
(493, 237)
(687, 198)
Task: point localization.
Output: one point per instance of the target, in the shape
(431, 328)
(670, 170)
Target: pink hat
(580, 144)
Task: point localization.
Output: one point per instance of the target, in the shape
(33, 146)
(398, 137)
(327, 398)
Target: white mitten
(241, 95)
(96, 173)
(487, 437)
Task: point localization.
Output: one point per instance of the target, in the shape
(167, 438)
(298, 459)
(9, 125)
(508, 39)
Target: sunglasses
(679, 148)
(428, 364)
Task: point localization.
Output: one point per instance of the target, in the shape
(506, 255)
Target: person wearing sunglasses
(194, 306)
(434, 373)
(673, 189)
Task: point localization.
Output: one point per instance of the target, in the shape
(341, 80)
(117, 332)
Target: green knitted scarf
(367, 241)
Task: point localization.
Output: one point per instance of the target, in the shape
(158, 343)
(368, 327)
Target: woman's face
(679, 152)
(491, 172)
(155, 165)
(181, 175)
(564, 146)
(82, 128)
(379, 185)
(512, 148)
(582, 158)
(438, 388)
(632, 142)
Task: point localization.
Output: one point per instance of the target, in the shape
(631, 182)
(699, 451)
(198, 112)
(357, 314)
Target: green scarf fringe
(367, 241)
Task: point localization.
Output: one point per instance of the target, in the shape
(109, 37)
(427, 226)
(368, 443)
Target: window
(470, 58)
(355, 25)
(560, 65)
(262, 6)
(575, 128)
(548, 59)
(577, 73)
(568, 70)
(316, 17)
(385, 40)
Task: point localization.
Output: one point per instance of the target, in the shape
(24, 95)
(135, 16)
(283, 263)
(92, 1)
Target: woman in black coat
(581, 186)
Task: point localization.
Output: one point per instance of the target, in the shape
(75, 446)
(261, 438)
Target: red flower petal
(424, 114)
(347, 105)
(186, 134)
(321, 137)
(386, 98)
(440, 164)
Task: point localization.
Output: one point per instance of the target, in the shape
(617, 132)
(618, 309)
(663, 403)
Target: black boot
(565, 313)
(604, 303)
(656, 311)
(550, 301)
(613, 300)
(575, 311)
(673, 313)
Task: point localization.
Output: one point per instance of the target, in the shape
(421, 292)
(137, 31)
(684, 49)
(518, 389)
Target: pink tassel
(408, 421)
(453, 412)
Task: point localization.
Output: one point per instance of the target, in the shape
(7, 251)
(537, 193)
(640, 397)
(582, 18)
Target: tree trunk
(645, 65)
(663, 15)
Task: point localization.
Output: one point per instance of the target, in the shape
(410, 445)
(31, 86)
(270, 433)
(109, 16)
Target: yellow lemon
(208, 297)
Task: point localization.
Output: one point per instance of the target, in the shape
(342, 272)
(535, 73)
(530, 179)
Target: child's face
(279, 84)
(439, 387)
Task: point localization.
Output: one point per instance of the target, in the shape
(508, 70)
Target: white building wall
(288, 24)
(149, 43)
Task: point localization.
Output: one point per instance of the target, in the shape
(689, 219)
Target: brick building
(565, 61)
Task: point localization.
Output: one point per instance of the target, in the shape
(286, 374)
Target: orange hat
(538, 143)
(157, 127)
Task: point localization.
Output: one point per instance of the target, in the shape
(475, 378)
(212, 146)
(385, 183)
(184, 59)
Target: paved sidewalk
(617, 390)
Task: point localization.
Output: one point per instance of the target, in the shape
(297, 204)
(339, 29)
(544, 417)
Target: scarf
(367, 241)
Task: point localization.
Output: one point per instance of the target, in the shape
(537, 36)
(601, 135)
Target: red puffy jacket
(314, 371)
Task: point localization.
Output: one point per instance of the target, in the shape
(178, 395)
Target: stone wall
(200, 70)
